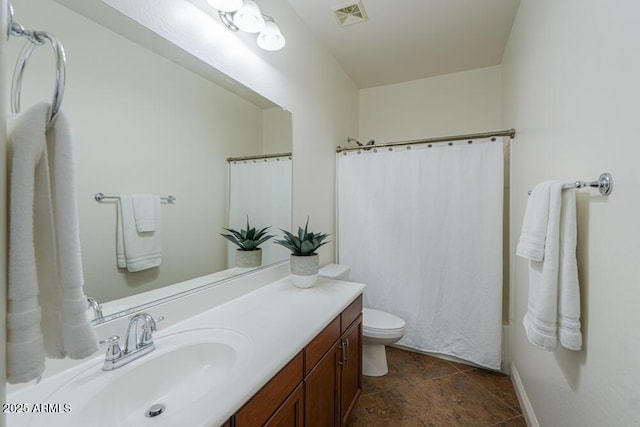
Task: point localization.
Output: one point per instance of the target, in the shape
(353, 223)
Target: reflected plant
(249, 239)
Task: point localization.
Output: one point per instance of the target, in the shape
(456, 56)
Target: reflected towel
(136, 251)
(145, 209)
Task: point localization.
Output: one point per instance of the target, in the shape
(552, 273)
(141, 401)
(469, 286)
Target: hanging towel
(145, 209)
(136, 251)
(540, 321)
(534, 226)
(78, 335)
(568, 285)
(554, 296)
(47, 309)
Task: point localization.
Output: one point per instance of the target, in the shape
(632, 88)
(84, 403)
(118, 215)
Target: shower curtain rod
(258, 157)
(511, 133)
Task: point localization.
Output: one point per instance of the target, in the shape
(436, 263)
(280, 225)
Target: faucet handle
(150, 323)
(148, 329)
(113, 350)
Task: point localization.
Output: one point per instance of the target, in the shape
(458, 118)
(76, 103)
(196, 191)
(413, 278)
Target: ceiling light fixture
(270, 38)
(249, 18)
(245, 15)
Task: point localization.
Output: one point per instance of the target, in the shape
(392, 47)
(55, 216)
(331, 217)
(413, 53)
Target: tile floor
(422, 390)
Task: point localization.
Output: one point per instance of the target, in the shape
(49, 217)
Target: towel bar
(99, 197)
(604, 184)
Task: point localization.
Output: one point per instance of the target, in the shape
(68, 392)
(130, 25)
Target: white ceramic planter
(248, 259)
(304, 270)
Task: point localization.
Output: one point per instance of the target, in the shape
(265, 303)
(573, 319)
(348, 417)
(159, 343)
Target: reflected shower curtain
(423, 229)
(262, 190)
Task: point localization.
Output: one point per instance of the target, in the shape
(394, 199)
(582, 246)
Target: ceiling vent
(350, 13)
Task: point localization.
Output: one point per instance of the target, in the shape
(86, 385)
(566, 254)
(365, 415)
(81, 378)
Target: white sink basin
(184, 373)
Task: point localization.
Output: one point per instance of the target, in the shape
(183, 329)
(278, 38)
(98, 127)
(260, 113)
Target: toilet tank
(335, 271)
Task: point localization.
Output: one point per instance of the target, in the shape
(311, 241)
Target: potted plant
(248, 254)
(304, 259)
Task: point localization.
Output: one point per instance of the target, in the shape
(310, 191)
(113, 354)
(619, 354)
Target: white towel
(78, 336)
(46, 309)
(136, 251)
(568, 284)
(534, 226)
(553, 282)
(145, 209)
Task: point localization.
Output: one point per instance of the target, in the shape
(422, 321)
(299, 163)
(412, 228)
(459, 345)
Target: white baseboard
(527, 409)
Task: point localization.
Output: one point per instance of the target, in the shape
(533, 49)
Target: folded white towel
(136, 251)
(568, 285)
(540, 321)
(46, 308)
(78, 335)
(534, 226)
(145, 208)
(554, 295)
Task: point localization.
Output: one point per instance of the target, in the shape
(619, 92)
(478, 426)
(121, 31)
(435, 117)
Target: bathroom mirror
(164, 124)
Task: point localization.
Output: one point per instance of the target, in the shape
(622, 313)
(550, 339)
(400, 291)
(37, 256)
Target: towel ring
(38, 38)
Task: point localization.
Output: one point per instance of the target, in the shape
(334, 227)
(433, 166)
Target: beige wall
(141, 124)
(451, 104)
(570, 86)
(276, 130)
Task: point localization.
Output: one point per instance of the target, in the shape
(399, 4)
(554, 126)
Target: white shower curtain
(423, 229)
(262, 190)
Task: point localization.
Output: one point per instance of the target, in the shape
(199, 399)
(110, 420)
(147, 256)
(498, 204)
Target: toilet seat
(378, 323)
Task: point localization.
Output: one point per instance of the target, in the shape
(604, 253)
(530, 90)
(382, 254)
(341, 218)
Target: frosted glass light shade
(249, 18)
(271, 38)
(226, 5)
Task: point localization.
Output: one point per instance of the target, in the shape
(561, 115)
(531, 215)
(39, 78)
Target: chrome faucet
(96, 307)
(135, 345)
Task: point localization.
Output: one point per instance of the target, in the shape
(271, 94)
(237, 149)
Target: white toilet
(378, 328)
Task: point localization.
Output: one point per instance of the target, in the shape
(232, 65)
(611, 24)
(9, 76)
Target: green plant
(249, 239)
(305, 243)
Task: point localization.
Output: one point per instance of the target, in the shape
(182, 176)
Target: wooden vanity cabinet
(334, 383)
(322, 390)
(290, 413)
(351, 380)
(267, 401)
(320, 386)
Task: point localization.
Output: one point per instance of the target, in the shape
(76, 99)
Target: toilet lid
(380, 320)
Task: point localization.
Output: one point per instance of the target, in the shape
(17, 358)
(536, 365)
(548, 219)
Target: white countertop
(278, 320)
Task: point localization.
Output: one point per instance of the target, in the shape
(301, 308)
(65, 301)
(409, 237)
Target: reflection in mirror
(260, 187)
(143, 124)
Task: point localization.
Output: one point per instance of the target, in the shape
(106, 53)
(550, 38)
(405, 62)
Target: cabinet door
(263, 405)
(351, 368)
(290, 413)
(322, 391)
